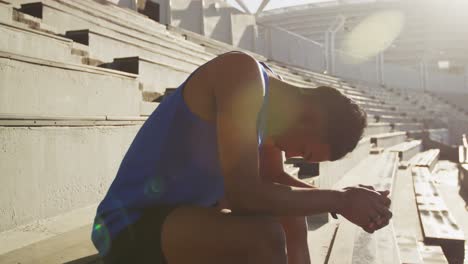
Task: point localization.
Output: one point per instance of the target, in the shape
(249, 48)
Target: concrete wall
(47, 171)
(188, 15)
(217, 20)
(243, 30)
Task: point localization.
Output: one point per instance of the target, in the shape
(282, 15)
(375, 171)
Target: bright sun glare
(371, 36)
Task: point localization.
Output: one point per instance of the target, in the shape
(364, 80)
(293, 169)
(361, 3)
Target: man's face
(305, 141)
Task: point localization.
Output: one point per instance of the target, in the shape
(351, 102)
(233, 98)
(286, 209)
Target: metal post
(423, 69)
(330, 42)
(380, 68)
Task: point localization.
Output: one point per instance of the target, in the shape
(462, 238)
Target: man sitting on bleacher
(203, 180)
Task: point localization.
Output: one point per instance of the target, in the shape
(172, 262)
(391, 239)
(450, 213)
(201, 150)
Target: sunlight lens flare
(371, 36)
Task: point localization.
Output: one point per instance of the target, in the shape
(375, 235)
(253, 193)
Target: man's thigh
(208, 235)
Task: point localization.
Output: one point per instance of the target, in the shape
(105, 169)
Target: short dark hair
(344, 121)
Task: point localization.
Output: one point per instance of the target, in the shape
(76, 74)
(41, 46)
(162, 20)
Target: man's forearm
(287, 179)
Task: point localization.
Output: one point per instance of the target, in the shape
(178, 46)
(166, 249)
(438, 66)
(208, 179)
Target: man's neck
(284, 106)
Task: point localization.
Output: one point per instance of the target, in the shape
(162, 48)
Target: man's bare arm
(237, 86)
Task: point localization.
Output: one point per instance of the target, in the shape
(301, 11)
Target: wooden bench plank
(438, 225)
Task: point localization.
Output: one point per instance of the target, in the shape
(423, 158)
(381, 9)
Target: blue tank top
(172, 160)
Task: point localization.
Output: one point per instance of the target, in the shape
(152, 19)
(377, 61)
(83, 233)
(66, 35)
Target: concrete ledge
(40, 230)
(407, 126)
(6, 13)
(22, 40)
(60, 175)
(154, 76)
(99, 43)
(407, 150)
(70, 15)
(427, 159)
(75, 90)
(377, 128)
(388, 139)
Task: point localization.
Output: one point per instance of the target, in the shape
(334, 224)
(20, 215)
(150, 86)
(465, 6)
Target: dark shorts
(141, 241)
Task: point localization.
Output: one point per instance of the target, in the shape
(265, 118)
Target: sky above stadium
(254, 4)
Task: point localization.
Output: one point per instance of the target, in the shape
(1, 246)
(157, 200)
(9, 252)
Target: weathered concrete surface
(377, 128)
(43, 229)
(188, 15)
(24, 41)
(99, 43)
(242, 30)
(47, 171)
(217, 20)
(74, 16)
(6, 13)
(27, 87)
(389, 139)
(153, 75)
(408, 149)
(63, 248)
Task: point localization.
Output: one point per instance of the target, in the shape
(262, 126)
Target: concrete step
(29, 14)
(74, 90)
(378, 105)
(99, 44)
(407, 150)
(407, 126)
(153, 75)
(68, 16)
(22, 120)
(20, 39)
(68, 168)
(377, 128)
(134, 20)
(115, 12)
(438, 225)
(388, 139)
(427, 159)
(379, 111)
(6, 12)
(394, 118)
